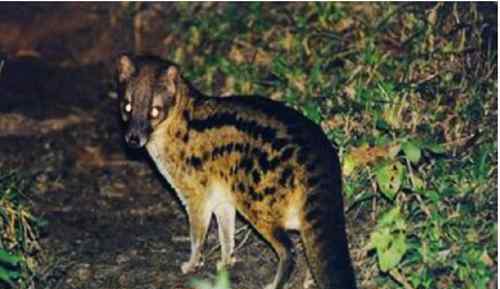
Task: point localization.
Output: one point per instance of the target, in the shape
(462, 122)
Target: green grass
(221, 282)
(19, 247)
(406, 91)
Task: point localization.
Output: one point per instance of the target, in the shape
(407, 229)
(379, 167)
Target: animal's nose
(133, 140)
(137, 134)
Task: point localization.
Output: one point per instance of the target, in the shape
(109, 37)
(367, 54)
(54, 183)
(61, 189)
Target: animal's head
(148, 88)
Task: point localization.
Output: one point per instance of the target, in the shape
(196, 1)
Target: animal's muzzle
(137, 135)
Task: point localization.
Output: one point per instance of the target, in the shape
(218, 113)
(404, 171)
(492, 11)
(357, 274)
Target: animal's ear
(170, 79)
(125, 67)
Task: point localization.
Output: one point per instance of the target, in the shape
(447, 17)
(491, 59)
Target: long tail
(324, 236)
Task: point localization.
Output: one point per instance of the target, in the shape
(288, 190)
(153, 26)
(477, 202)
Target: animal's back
(287, 177)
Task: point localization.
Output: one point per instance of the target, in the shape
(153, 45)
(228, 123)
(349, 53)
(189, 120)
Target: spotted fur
(246, 154)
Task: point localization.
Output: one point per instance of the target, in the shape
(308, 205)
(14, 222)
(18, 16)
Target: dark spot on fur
(287, 154)
(269, 191)
(205, 156)
(195, 162)
(256, 176)
(313, 212)
(230, 147)
(255, 196)
(186, 115)
(274, 163)
(246, 164)
(286, 177)
(216, 152)
(263, 162)
(238, 147)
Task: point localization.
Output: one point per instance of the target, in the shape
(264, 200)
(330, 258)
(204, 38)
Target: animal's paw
(190, 266)
(308, 281)
(225, 264)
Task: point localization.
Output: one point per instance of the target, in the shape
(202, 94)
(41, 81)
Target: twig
(241, 229)
(400, 278)
(247, 235)
(179, 239)
(417, 196)
(359, 200)
(459, 140)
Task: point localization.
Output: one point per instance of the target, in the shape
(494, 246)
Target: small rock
(122, 258)
(123, 280)
(84, 273)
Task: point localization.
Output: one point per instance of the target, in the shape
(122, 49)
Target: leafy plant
(19, 246)
(389, 239)
(221, 282)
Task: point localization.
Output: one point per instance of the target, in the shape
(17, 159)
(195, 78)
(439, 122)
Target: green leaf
(8, 276)
(350, 164)
(391, 257)
(312, 111)
(433, 196)
(412, 151)
(390, 217)
(389, 239)
(5, 257)
(380, 239)
(436, 148)
(389, 178)
(221, 282)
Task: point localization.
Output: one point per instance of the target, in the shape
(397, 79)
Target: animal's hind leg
(286, 253)
(226, 216)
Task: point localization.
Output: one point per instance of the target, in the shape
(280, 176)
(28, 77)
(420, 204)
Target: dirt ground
(112, 221)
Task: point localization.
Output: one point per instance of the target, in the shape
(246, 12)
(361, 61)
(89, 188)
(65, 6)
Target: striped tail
(324, 235)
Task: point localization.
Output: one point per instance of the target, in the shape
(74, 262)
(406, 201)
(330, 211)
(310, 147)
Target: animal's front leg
(199, 220)
(226, 214)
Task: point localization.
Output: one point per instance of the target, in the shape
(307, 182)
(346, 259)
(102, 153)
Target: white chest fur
(157, 153)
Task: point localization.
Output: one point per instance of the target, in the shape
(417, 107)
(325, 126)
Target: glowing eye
(155, 112)
(128, 107)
